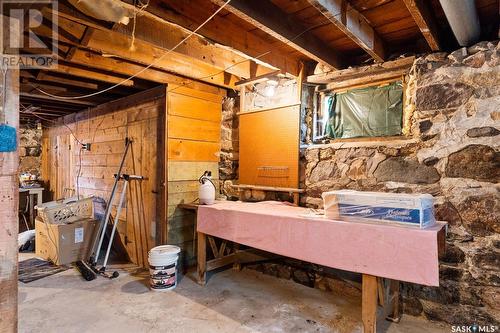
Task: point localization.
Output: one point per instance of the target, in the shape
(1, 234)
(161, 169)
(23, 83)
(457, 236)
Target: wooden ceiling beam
(165, 35)
(361, 74)
(115, 44)
(156, 35)
(190, 14)
(123, 67)
(422, 15)
(353, 24)
(67, 68)
(65, 81)
(271, 19)
(34, 96)
(48, 105)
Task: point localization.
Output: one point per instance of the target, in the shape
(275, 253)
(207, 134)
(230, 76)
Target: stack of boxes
(64, 231)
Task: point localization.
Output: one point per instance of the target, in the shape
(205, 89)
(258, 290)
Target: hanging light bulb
(270, 88)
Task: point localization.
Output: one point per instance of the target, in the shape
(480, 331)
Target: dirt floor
(245, 301)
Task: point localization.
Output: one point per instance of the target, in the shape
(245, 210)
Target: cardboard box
(64, 243)
(404, 209)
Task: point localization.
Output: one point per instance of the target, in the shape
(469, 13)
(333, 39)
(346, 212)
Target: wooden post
(9, 197)
(202, 258)
(394, 311)
(369, 303)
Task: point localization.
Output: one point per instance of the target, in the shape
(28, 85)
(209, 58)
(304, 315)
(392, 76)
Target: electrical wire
(188, 81)
(143, 69)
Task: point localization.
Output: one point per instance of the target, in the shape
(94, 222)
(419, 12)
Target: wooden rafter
(271, 19)
(353, 24)
(422, 16)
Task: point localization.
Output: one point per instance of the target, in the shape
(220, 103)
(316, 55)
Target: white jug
(206, 193)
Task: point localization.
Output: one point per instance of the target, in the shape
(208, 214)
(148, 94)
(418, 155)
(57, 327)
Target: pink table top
(390, 251)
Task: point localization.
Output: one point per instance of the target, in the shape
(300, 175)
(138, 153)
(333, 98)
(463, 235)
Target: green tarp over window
(372, 111)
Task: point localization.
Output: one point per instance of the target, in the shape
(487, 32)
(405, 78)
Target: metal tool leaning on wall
(89, 270)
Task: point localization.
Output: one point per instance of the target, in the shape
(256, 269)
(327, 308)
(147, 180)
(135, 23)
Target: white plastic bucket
(163, 267)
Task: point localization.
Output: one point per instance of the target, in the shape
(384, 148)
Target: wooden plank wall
(193, 127)
(138, 117)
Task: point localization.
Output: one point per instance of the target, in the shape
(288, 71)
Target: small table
(38, 191)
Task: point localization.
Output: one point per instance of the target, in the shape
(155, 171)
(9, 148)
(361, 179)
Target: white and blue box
(407, 209)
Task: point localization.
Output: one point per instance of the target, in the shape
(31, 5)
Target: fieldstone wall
(451, 152)
(229, 155)
(30, 150)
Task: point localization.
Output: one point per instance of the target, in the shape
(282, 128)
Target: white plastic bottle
(206, 193)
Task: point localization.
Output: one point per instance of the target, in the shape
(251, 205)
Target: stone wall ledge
(375, 142)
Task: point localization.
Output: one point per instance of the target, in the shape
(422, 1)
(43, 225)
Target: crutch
(126, 179)
(102, 227)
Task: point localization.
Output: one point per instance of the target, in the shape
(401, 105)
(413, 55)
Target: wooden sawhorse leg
(369, 303)
(375, 291)
(202, 258)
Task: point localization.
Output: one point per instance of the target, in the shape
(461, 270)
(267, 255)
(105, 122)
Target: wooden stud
(369, 303)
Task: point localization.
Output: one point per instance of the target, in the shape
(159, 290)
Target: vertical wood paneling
(106, 128)
(164, 146)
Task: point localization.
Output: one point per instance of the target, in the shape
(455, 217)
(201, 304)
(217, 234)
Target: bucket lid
(164, 250)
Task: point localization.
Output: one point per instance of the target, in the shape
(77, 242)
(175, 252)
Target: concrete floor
(245, 301)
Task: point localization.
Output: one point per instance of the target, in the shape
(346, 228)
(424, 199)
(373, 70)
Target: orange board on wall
(269, 147)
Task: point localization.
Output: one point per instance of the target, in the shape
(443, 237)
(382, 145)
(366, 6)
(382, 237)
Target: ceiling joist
(271, 19)
(353, 24)
(195, 58)
(422, 16)
(223, 31)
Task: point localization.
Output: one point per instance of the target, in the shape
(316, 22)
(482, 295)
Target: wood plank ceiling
(245, 39)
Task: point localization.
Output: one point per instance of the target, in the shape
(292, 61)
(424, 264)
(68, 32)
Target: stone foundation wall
(229, 156)
(451, 152)
(30, 150)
